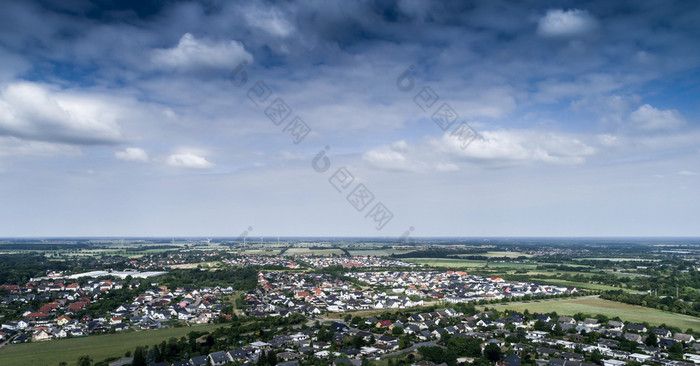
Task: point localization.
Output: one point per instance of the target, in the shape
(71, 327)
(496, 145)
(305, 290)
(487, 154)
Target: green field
(266, 251)
(98, 347)
(377, 252)
(583, 285)
(468, 263)
(307, 251)
(593, 306)
(500, 254)
(619, 259)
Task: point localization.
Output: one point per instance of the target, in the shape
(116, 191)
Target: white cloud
(499, 148)
(271, 21)
(189, 160)
(559, 23)
(517, 147)
(33, 111)
(388, 159)
(192, 54)
(12, 146)
(608, 139)
(132, 154)
(687, 173)
(649, 118)
(446, 167)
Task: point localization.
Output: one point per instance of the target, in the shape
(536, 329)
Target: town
(300, 309)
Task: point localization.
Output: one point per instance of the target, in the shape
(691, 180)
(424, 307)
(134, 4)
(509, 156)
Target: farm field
(500, 254)
(378, 252)
(270, 251)
(583, 285)
(593, 306)
(618, 259)
(98, 347)
(307, 251)
(467, 263)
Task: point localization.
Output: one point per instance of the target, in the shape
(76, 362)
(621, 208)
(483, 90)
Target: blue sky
(120, 118)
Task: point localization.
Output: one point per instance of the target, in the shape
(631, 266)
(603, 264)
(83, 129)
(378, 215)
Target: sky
(349, 118)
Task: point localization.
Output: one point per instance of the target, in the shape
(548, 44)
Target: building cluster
(355, 262)
(456, 286)
(280, 294)
(261, 260)
(63, 308)
(612, 335)
(370, 337)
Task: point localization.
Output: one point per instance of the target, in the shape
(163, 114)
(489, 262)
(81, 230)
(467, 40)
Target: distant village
(338, 327)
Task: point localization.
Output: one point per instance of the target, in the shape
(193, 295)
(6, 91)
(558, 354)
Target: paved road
(122, 362)
(409, 349)
(7, 341)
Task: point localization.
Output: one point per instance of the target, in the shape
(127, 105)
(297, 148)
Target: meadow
(99, 347)
(468, 263)
(594, 305)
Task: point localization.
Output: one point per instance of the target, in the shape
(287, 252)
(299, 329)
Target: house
(345, 362)
(613, 362)
(198, 361)
(237, 355)
(591, 323)
(218, 358)
(288, 356)
(340, 327)
(660, 332)
(682, 337)
(512, 360)
(41, 335)
(566, 320)
(614, 324)
(634, 337)
(640, 328)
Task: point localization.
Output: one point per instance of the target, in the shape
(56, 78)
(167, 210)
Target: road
(409, 349)
(122, 362)
(8, 340)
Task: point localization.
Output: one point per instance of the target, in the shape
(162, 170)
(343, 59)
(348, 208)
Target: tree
(153, 356)
(139, 357)
(404, 342)
(397, 331)
(651, 340)
(676, 350)
(492, 352)
(358, 341)
(85, 361)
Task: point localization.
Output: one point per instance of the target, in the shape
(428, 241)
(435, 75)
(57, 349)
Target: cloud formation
(192, 54)
(32, 111)
(649, 118)
(132, 154)
(188, 161)
(558, 23)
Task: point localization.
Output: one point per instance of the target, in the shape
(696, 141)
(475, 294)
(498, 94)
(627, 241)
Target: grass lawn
(468, 263)
(262, 251)
(593, 306)
(308, 251)
(98, 347)
(618, 259)
(506, 254)
(378, 252)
